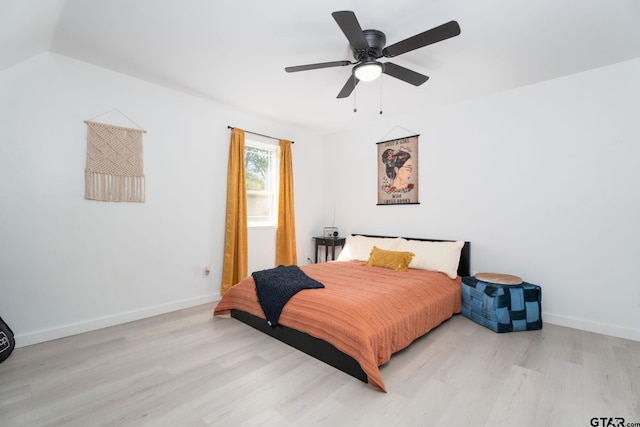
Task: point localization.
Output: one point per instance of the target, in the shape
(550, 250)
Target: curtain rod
(256, 133)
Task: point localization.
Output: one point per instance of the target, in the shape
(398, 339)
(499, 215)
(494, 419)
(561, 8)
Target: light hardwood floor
(189, 369)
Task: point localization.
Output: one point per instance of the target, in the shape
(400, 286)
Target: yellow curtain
(286, 235)
(235, 241)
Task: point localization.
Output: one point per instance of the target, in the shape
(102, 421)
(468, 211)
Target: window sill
(261, 226)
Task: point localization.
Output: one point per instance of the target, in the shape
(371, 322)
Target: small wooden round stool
(500, 279)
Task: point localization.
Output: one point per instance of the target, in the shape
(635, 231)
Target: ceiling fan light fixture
(368, 71)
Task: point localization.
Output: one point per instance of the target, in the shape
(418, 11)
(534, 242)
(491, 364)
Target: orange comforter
(366, 312)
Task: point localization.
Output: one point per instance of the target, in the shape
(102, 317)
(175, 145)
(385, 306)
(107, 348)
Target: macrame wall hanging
(114, 171)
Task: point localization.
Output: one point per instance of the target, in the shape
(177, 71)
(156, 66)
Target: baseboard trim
(106, 321)
(589, 326)
(117, 319)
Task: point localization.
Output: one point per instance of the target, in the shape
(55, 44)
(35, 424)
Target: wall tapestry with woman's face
(398, 171)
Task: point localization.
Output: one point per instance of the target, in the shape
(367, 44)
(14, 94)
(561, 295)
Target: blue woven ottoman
(502, 308)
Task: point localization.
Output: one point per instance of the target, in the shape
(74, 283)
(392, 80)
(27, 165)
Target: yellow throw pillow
(393, 260)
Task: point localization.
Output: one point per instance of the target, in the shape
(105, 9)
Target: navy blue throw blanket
(276, 286)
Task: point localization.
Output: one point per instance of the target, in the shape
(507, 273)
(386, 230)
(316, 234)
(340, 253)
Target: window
(262, 169)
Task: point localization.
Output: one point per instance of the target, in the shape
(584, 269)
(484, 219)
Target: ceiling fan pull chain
(355, 91)
(380, 94)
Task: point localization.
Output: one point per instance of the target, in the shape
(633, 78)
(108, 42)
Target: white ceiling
(235, 51)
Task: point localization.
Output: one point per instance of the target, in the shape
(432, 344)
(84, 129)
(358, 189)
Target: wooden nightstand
(329, 242)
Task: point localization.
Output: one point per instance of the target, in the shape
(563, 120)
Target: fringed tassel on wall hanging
(114, 171)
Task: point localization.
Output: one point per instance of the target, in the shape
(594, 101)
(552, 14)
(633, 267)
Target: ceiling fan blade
(349, 25)
(434, 35)
(349, 86)
(404, 74)
(316, 66)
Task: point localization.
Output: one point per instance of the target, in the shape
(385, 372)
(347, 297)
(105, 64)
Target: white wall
(542, 180)
(69, 265)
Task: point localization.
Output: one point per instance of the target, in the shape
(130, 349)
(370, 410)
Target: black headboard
(464, 266)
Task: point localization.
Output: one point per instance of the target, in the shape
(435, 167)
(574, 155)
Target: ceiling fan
(369, 45)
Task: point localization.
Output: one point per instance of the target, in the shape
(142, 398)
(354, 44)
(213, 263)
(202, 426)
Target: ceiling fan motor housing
(376, 40)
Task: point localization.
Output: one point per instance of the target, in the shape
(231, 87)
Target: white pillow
(435, 256)
(359, 247)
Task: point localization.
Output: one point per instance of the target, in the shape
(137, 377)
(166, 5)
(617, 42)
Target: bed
(365, 312)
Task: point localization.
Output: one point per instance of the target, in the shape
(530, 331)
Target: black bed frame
(321, 349)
